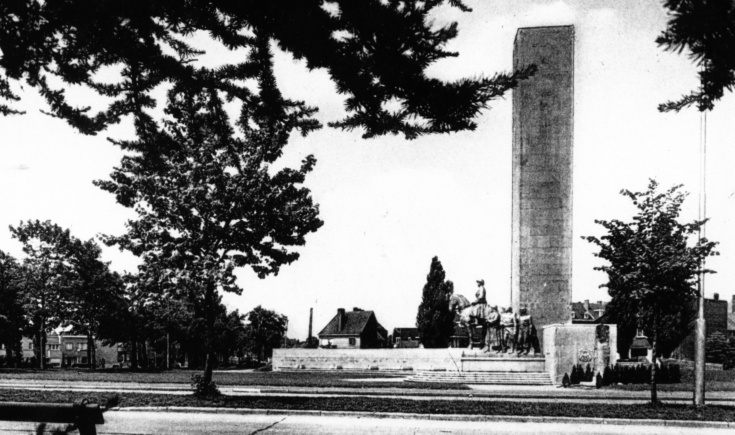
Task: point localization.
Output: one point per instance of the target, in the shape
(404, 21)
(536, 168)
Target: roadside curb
(444, 417)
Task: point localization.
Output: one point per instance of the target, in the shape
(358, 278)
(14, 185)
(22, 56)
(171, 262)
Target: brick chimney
(717, 296)
(341, 318)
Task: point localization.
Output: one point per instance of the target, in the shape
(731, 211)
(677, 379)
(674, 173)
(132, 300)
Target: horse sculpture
(467, 316)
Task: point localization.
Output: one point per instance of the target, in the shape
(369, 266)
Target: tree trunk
(144, 354)
(134, 353)
(209, 340)
(90, 350)
(9, 355)
(41, 344)
(654, 345)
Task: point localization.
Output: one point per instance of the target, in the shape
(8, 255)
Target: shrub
(588, 374)
(574, 379)
(607, 376)
(203, 388)
(565, 381)
(598, 380)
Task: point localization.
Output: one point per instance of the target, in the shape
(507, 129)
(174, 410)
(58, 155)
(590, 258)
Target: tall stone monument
(543, 108)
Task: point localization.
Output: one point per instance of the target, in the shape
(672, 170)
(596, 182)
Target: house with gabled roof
(356, 329)
(586, 312)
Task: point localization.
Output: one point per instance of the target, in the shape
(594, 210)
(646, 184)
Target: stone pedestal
(568, 345)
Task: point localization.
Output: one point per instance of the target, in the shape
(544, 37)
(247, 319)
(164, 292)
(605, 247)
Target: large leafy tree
(48, 276)
(264, 331)
(93, 294)
(12, 315)
(434, 320)
(706, 30)
(652, 265)
(214, 202)
(375, 51)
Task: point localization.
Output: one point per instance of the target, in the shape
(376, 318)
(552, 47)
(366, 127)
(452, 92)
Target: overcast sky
(390, 205)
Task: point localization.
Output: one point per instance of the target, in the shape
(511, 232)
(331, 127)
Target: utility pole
(701, 324)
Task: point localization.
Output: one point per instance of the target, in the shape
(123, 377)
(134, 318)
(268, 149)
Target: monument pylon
(543, 109)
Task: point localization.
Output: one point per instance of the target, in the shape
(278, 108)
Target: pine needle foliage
(706, 30)
(376, 52)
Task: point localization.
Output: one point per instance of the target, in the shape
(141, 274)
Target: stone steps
(489, 378)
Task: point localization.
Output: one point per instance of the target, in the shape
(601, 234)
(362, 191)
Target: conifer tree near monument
(434, 320)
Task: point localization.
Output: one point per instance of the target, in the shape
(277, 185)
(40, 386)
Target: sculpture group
(503, 331)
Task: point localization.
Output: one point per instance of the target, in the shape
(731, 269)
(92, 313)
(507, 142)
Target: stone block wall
(368, 359)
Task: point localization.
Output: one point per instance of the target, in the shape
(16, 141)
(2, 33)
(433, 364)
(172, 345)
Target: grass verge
(266, 379)
(715, 380)
(367, 404)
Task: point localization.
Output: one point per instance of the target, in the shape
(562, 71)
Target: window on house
(353, 341)
(119, 347)
(84, 346)
(69, 346)
(2, 346)
(574, 315)
(53, 347)
(587, 316)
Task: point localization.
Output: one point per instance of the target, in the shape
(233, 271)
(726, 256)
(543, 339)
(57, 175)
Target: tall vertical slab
(542, 175)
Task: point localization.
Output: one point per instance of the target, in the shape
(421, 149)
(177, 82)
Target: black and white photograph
(367, 217)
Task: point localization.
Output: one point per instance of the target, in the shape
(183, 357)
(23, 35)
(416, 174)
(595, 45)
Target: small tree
(434, 320)
(48, 275)
(265, 331)
(12, 315)
(652, 268)
(588, 374)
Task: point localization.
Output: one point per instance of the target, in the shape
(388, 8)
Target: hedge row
(624, 374)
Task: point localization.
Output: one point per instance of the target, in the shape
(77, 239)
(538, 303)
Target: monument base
(566, 345)
(506, 363)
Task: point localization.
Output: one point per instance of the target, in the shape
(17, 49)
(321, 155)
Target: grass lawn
(367, 404)
(715, 380)
(270, 379)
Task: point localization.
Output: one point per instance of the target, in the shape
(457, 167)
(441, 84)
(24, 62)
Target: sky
(390, 205)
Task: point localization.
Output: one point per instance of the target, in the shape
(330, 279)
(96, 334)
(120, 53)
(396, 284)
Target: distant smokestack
(341, 318)
(311, 320)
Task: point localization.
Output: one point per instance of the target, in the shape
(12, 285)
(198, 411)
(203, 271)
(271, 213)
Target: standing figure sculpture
(525, 332)
(508, 325)
(480, 294)
(492, 326)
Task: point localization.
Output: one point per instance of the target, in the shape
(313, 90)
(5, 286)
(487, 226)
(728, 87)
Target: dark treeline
(63, 283)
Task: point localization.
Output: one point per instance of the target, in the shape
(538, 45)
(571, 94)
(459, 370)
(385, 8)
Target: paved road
(194, 423)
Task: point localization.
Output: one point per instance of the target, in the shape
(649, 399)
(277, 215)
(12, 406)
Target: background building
(357, 329)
